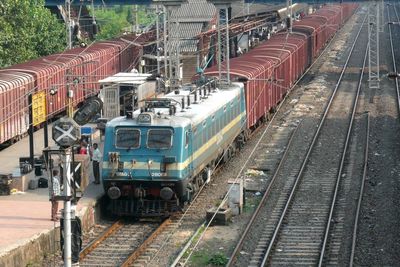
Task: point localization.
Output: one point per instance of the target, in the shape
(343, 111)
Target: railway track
(393, 47)
(142, 248)
(302, 205)
(121, 243)
(149, 255)
(361, 193)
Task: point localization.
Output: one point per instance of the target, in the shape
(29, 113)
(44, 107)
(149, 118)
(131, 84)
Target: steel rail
(393, 56)
(241, 241)
(339, 176)
(263, 200)
(305, 161)
(354, 240)
(178, 259)
(135, 254)
(95, 243)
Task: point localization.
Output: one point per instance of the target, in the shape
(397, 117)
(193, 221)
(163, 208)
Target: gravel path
(378, 242)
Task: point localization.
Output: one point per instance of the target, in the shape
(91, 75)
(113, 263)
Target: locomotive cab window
(159, 139)
(127, 138)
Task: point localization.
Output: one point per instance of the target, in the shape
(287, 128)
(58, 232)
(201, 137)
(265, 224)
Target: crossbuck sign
(66, 132)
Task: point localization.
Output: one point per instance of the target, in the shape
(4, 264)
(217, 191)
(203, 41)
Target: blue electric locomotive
(157, 158)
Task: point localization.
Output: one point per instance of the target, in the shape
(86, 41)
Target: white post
(67, 209)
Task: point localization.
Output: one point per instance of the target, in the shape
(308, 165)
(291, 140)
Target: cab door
(189, 149)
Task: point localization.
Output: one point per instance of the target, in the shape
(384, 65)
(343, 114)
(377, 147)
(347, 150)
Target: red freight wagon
(318, 34)
(98, 61)
(85, 66)
(270, 70)
(126, 54)
(47, 74)
(69, 77)
(14, 116)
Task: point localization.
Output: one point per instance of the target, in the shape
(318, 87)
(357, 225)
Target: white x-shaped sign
(66, 133)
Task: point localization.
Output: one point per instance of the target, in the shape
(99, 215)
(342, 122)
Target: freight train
(78, 69)
(156, 158)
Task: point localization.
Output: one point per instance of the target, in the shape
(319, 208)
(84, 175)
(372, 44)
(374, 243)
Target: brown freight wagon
(270, 70)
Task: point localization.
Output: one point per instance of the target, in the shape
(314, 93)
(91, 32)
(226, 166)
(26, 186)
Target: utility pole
(67, 160)
(223, 43)
(31, 147)
(158, 38)
(67, 208)
(170, 49)
(291, 16)
(165, 32)
(289, 9)
(172, 46)
(135, 27)
(227, 59)
(69, 29)
(382, 16)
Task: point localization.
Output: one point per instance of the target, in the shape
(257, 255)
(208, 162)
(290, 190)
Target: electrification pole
(165, 43)
(158, 38)
(373, 50)
(223, 43)
(69, 29)
(290, 15)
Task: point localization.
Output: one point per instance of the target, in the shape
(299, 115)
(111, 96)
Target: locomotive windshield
(159, 138)
(127, 138)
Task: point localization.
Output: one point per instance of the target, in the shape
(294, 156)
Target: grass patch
(218, 202)
(195, 239)
(251, 203)
(205, 258)
(218, 259)
(200, 258)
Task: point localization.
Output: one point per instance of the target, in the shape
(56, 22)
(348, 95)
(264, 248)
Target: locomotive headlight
(144, 118)
(113, 157)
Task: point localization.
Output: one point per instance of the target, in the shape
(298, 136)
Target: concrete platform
(26, 231)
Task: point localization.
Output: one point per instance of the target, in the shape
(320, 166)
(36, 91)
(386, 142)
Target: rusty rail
(136, 254)
(95, 243)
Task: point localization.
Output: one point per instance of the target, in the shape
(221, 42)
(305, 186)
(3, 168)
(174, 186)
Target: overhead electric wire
(54, 62)
(201, 188)
(94, 43)
(244, 165)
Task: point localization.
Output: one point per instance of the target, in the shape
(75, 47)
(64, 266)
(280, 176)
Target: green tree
(28, 30)
(129, 17)
(111, 23)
